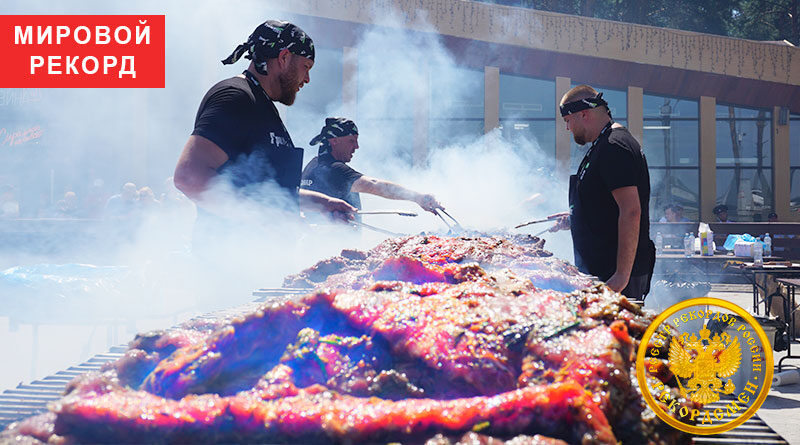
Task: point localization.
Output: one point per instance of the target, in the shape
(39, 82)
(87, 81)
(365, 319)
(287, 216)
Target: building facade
(719, 117)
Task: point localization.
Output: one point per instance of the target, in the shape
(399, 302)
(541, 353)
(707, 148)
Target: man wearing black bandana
(238, 133)
(329, 173)
(609, 198)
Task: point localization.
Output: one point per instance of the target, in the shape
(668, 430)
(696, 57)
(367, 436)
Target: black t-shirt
(237, 115)
(334, 178)
(616, 160)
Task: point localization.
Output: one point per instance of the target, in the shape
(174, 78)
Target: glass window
(794, 156)
(525, 97)
(674, 186)
(527, 111)
(744, 159)
(671, 144)
(456, 107)
(676, 108)
(542, 133)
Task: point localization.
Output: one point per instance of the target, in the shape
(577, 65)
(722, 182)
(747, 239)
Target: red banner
(82, 51)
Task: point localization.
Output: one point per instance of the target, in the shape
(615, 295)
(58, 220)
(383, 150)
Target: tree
(749, 19)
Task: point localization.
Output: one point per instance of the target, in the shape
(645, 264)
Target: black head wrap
(335, 127)
(268, 40)
(584, 104)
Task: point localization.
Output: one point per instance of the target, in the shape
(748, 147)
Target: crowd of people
(130, 202)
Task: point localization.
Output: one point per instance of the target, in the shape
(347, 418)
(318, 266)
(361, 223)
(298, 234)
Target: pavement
(781, 409)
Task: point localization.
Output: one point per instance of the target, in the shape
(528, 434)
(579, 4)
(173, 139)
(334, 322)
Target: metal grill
(753, 431)
(28, 400)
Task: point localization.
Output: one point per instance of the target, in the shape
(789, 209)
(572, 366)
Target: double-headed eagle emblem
(705, 362)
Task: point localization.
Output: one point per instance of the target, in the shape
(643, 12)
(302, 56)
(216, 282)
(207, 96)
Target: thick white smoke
(153, 279)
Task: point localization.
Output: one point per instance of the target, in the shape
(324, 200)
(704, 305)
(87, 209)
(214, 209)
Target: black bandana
(584, 104)
(268, 40)
(335, 127)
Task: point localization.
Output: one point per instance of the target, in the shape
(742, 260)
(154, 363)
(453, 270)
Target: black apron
(577, 226)
(285, 165)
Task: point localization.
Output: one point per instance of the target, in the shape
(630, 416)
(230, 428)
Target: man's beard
(288, 89)
(580, 140)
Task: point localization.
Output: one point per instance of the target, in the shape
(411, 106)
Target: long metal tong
(455, 225)
(376, 229)
(537, 221)
(386, 212)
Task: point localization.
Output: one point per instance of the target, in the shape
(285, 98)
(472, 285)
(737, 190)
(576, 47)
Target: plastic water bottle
(688, 245)
(767, 245)
(659, 244)
(758, 254)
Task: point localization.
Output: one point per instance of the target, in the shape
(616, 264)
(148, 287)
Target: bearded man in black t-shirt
(609, 198)
(239, 136)
(329, 173)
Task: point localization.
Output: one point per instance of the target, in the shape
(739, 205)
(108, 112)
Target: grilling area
(773, 424)
(461, 254)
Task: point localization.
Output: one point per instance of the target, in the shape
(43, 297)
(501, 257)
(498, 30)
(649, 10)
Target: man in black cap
(609, 197)
(329, 173)
(238, 133)
(721, 212)
(772, 217)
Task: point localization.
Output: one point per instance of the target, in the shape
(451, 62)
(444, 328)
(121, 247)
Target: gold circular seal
(722, 361)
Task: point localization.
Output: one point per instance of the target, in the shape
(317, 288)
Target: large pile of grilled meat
(422, 339)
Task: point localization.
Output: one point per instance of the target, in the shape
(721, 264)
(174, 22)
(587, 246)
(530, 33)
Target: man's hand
(618, 282)
(339, 210)
(562, 221)
(428, 203)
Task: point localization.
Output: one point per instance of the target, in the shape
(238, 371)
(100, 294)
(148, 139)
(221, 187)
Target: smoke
(147, 275)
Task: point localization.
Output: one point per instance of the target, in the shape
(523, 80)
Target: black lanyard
(585, 162)
(252, 79)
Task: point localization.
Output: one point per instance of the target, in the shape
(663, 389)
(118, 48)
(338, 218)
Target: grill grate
(753, 431)
(31, 399)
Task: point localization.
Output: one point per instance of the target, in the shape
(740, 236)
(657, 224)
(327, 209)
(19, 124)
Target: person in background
(609, 198)
(673, 213)
(239, 135)
(721, 212)
(123, 205)
(68, 206)
(329, 173)
(147, 199)
(772, 217)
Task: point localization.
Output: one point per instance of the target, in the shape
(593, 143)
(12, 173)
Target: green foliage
(748, 19)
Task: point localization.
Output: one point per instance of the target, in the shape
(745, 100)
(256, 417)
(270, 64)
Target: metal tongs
(537, 221)
(376, 229)
(386, 212)
(455, 227)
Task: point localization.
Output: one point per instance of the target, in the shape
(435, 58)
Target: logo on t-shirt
(277, 141)
(306, 182)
